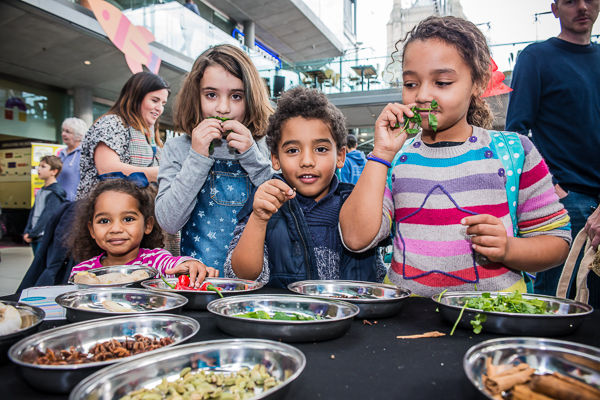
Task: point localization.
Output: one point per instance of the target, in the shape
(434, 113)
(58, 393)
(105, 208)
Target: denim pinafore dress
(209, 230)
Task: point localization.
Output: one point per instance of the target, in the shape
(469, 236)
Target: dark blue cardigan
(291, 248)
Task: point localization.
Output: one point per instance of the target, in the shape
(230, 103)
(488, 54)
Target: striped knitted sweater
(433, 188)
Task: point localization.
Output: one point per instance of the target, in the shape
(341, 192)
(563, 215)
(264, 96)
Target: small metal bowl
(227, 356)
(567, 316)
(85, 335)
(338, 317)
(198, 300)
(84, 305)
(545, 355)
(375, 300)
(124, 269)
(31, 318)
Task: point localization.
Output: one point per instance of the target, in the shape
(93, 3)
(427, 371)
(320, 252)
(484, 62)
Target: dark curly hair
(473, 49)
(80, 243)
(309, 104)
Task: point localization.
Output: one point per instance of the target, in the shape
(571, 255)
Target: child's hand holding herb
(416, 119)
(237, 135)
(389, 138)
(203, 135)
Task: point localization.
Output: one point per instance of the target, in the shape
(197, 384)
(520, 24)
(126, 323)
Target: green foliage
(278, 316)
(510, 303)
(417, 120)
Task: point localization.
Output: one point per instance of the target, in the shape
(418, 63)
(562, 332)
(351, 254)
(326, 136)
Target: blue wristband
(371, 157)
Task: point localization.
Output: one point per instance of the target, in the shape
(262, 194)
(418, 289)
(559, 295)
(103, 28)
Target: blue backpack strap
(509, 149)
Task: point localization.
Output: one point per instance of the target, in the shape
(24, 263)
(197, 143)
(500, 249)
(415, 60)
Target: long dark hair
(187, 109)
(128, 105)
(81, 244)
(473, 49)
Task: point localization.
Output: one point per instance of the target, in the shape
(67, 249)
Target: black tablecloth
(368, 362)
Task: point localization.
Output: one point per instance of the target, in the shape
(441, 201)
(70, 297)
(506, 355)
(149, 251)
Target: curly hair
(473, 49)
(308, 104)
(80, 243)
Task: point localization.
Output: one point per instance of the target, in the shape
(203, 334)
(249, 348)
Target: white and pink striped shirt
(160, 259)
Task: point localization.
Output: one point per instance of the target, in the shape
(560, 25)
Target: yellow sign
(39, 150)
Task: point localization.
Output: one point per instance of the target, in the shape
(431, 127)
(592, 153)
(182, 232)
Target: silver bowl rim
(282, 297)
(150, 270)
(298, 355)
(182, 300)
(405, 293)
(146, 284)
(36, 338)
(480, 346)
(588, 309)
(36, 311)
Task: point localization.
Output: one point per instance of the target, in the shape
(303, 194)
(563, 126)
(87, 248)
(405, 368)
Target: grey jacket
(183, 172)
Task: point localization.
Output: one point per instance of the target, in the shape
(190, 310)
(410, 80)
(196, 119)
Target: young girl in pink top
(116, 226)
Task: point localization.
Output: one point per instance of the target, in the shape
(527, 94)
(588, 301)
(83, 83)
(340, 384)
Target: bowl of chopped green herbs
(289, 318)
(512, 313)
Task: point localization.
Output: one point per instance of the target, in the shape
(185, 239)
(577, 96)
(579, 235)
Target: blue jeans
(579, 206)
(209, 230)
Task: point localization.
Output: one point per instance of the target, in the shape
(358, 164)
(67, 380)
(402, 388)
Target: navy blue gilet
(291, 248)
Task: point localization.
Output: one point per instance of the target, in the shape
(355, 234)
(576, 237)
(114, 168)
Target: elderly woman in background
(73, 130)
(126, 138)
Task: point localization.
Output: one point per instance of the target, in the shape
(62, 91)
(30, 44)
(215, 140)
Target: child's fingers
(486, 241)
(237, 127)
(490, 252)
(211, 272)
(479, 219)
(484, 229)
(266, 206)
(282, 186)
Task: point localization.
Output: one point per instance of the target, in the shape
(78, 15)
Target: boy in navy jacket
(288, 229)
(47, 201)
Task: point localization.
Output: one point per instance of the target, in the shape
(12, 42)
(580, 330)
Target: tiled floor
(15, 262)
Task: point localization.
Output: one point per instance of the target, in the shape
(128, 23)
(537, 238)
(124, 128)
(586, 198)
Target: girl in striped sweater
(446, 193)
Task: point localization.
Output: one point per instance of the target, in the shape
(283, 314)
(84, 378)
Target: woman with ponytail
(445, 194)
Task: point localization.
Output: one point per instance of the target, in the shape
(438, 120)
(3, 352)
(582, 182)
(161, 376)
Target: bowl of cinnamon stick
(534, 369)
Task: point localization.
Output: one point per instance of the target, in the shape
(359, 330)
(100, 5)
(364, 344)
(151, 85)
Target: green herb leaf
(433, 122)
(434, 103)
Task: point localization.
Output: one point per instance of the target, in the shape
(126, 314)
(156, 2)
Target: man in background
(557, 97)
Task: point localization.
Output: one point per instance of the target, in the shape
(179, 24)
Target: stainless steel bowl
(124, 269)
(545, 355)
(84, 305)
(31, 318)
(567, 315)
(198, 300)
(85, 335)
(337, 315)
(227, 355)
(375, 300)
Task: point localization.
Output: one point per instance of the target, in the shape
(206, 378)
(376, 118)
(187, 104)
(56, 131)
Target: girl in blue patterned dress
(207, 174)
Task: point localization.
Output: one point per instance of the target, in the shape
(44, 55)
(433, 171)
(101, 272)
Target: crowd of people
(284, 195)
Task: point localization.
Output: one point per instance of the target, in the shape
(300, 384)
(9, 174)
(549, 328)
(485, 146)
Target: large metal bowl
(85, 305)
(567, 315)
(545, 355)
(124, 269)
(31, 318)
(198, 300)
(224, 356)
(338, 317)
(85, 335)
(375, 300)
